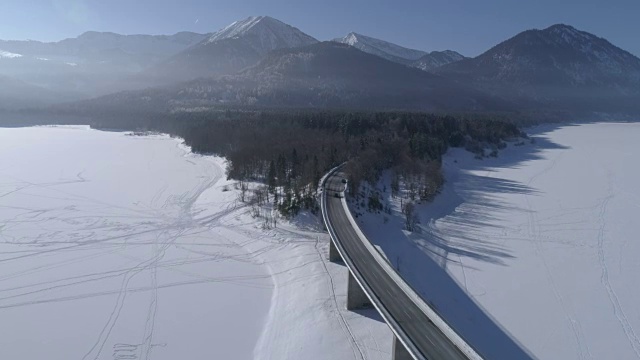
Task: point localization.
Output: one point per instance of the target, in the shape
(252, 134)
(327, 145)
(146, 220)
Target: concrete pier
(356, 298)
(334, 255)
(399, 352)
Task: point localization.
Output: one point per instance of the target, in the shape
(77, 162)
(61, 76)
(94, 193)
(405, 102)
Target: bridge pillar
(399, 351)
(334, 255)
(356, 298)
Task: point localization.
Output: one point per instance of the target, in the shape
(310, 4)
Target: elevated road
(416, 325)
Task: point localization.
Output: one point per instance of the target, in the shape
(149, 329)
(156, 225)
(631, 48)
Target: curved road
(406, 316)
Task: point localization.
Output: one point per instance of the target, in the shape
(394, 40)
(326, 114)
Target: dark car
(344, 181)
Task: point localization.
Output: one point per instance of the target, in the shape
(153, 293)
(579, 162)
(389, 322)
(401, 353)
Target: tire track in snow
(618, 311)
(534, 233)
(153, 306)
(98, 346)
(181, 222)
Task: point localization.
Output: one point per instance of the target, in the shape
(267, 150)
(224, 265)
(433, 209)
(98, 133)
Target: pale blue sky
(468, 26)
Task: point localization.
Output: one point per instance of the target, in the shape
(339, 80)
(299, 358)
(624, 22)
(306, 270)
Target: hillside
(560, 67)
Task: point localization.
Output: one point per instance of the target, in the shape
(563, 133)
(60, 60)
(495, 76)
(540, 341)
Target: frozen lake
(536, 249)
(105, 252)
(552, 235)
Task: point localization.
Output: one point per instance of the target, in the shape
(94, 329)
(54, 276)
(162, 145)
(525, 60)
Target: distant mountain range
(321, 75)
(90, 46)
(559, 67)
(89, 65)
(263, 62)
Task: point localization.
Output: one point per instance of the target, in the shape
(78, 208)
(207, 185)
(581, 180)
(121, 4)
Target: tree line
(290, 150)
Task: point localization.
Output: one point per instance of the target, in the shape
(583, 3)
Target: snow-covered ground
(130, 247)
(537, 247)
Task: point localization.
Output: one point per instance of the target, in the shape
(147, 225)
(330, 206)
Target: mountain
(322, 75)
(237, 46)
(88, 64)
(558, 67)
(436, 59)
(416, 58)
(384, 49)
(263, 34)
(88, 46)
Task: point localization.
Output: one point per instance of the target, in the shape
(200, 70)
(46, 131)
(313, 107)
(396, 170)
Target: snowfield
(537, 247)
(131, 247)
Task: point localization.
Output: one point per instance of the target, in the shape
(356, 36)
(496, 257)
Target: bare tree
(410, 216)
(243, 187)
(260, 195)
(255, 210)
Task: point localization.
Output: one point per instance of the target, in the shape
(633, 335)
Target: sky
(468, 26)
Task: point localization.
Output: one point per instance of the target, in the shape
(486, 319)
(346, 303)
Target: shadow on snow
(421, 257)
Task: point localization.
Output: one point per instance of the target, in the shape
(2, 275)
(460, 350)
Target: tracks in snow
(618, 311)
(534, 233)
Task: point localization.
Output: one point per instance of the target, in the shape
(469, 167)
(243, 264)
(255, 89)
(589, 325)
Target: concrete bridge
(419, 332)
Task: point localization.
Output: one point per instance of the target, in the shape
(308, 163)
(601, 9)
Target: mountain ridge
(231, 49)
(420, 59)
(321, 75)
(382, 48)
(559, 66)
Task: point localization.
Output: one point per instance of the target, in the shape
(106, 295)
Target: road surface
(412, 323)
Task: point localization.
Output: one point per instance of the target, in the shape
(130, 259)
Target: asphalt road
(425, 336)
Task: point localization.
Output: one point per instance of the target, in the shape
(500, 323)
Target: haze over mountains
(263, 62)
(92, 64)
(321, 75)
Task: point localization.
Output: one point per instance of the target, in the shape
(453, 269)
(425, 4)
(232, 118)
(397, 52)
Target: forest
(289, 150)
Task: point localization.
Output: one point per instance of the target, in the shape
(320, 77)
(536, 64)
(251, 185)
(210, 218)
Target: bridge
(419, 332)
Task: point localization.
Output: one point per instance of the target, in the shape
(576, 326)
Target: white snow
(131, 247)
(381, 48)
(538, 245)
(9, 55)
(236, 28)
(436, 59)
(266, 34)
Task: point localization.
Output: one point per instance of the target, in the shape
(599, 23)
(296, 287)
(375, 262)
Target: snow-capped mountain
(559, 66)
(384, 49)
(227, 51)
(264, 34)
(436, 59)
